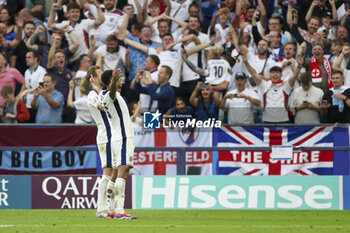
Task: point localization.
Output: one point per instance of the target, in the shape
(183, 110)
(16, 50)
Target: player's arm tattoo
(193, 67)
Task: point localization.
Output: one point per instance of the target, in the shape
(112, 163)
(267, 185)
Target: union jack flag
(260, 163)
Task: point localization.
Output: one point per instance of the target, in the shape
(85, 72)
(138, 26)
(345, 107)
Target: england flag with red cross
(236, 162)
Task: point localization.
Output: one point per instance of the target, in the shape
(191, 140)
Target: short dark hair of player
(106, 77)
(168, 70)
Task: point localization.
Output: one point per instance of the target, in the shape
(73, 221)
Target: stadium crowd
(239, 61)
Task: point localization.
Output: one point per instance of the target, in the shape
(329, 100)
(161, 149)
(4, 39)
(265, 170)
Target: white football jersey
(217, 71)
(104, 133)
(118, 114)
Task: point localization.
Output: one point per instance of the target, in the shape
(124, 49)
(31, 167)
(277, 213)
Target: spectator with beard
(260, 61)
(114, 54)
(343, 34)
(300, 35)
(289, 51)
(21, 49)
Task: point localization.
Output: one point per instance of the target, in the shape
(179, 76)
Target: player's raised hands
(117, 74)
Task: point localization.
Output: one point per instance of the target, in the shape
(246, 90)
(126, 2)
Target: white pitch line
(185, 226)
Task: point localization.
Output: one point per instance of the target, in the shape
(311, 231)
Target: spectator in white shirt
(240, 102)
(80, 29)
(113, 53)
(33, 76)
(307, 101)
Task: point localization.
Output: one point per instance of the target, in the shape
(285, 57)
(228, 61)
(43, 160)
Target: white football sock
(110, 196)
(101, 194)
(120, 194)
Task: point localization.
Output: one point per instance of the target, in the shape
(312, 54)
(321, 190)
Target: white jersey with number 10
(217, 71)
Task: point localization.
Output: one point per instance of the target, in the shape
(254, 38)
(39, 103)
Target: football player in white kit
(103, 139)
(122, 143)
(218, 72)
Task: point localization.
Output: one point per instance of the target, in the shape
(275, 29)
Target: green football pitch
(53, 221)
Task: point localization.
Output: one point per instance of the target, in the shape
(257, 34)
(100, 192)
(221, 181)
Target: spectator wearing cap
(240, 102)
(328, 30)
(307, 100)
(274, 92)
(319, 67)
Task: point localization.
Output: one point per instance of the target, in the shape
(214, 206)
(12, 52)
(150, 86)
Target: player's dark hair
(106, 77)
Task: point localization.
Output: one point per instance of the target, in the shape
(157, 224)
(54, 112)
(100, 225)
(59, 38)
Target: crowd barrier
(317, 150)
(42, 156)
